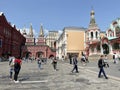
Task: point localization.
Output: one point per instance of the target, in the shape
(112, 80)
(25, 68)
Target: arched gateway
(36, 47)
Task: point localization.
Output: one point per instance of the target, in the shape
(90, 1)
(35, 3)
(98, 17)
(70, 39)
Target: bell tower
(93, 32)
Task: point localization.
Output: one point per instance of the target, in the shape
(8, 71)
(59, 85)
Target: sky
(57, 14)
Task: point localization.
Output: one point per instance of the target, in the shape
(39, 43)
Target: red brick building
(11, 40)
(35, 47)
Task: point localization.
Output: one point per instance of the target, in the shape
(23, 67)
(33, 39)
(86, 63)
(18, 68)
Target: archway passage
(27, 55)
(39, 54)
(51, 56)
(105, 49)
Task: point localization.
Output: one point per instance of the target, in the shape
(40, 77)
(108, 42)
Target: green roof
(110, 38)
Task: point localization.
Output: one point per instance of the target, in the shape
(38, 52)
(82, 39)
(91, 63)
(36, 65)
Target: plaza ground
(31, 78)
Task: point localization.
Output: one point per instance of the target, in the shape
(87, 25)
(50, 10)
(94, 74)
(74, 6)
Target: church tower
(30, 40)
(93, 32)
(92, 36)
(41, 39)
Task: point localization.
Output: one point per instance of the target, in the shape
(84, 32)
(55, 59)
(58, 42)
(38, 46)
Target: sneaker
(16, 81)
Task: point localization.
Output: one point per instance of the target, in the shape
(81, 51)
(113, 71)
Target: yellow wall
(75, 41)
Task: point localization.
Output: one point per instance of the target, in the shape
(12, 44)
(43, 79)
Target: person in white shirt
(11, 64)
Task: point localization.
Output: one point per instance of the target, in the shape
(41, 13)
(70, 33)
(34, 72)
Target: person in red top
(17, 67)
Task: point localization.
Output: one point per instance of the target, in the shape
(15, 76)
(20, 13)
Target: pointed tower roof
(24, 31)
(41, 31)
(92, 19)
(31, 31)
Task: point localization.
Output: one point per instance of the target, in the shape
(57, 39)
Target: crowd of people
(16, 62)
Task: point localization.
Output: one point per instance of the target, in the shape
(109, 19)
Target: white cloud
(27, 31)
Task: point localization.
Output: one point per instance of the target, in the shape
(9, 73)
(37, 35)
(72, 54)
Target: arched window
(91, 34)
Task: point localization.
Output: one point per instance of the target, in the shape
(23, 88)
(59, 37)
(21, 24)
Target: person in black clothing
(75, 64)
(54, 63)
(101, 65)
(17, 67)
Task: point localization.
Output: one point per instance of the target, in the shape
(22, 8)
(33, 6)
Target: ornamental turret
(31, 31)
(41, 31)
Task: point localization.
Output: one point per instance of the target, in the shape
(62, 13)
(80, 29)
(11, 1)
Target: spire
(31, 31)
(24, 31)
(41, 31)
(92, 20)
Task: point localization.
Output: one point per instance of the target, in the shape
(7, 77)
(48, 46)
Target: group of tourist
(102, 62)
(15, 64)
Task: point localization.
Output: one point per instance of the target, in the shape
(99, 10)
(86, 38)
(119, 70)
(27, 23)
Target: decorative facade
(98, 42)
(113, 34)
(93, 37)
(36, 47)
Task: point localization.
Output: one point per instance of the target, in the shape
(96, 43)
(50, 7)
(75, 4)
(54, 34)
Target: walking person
(75, 64)
(83, 59)
(11, 64)
(115, 58)
(39, 62)
(54, 64)
(17, 67)
(106, 61)
(101, 65)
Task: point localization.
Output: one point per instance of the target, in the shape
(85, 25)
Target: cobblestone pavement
(31, 78)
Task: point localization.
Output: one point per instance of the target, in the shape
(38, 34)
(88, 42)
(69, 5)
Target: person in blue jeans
(101, 65)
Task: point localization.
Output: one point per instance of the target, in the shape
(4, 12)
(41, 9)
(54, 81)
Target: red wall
(12, 39)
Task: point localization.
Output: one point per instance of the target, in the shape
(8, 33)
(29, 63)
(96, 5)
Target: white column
(89, 36)
(94, 37)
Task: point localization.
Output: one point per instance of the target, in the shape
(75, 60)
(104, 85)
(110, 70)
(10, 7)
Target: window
(91, 34)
